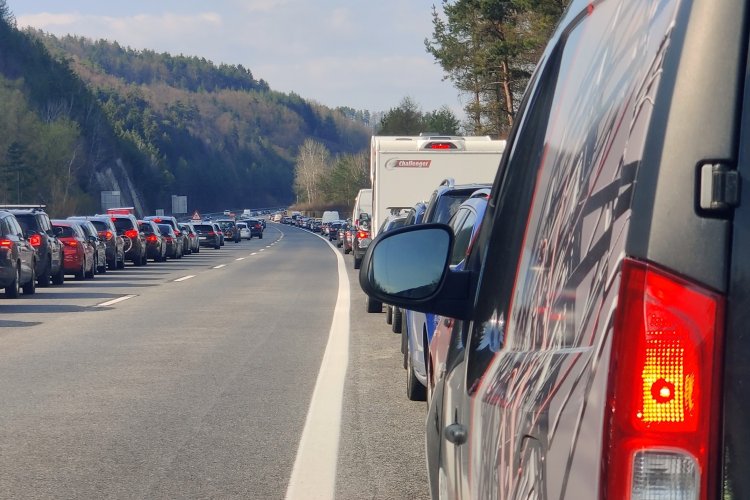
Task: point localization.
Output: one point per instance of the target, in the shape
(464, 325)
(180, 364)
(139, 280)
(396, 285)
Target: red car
(78, 255)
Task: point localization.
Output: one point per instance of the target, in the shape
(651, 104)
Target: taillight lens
(361, 235)
(35, 240)
(663, 409)
(131, 233)
(71, 243)
(151, 238)
(105, 235)
(5, 243)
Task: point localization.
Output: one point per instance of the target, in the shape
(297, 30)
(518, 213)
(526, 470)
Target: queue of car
(36, 250)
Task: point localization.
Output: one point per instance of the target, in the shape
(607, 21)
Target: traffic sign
(196, 216)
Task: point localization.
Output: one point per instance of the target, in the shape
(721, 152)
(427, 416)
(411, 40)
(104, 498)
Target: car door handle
(456, 434)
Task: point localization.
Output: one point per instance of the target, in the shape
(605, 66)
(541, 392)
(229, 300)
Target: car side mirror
(408, 267)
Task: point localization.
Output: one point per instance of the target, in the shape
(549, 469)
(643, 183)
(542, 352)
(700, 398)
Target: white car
(244, 230)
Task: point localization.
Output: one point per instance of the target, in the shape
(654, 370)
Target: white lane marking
(315, 467)
(240, 258)
(220, 266)
(254, 253)
(261, 250)
(185, 278)
(115, 301)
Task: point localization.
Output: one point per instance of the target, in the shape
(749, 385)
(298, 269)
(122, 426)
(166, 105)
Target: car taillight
(5, 243)
(211, 233)
(35, 240)
(106, 235)
(70, 243)
(131, 233)
(151, 238)
(361, 235)
(662, 417)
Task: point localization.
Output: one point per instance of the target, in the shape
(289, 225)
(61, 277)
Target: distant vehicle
(191, 236)
(135, 243)
(174, 246)
(182, 238)
(156, 247)
(330, 216)
(244, 230)
(17, 258)
(207, 235)
(362, 215)
(229, 228)
(406, 169)
(78, 252)
(256, 228)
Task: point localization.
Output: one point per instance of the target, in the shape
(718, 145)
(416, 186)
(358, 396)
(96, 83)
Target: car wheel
(197, 250)
(82, 273)
(415, 391)
(44, 279)
(13, 290)
(102, 267)
(373, 306)
(389, 315)
(357, 261)
(260, 236)
(59, 278)
(396, 322)
(404, 338)
(30, 287)
(121, 262)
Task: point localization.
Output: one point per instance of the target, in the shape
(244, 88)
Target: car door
(26, 251)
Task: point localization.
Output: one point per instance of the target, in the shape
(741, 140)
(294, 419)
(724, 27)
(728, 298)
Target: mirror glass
(411, 264)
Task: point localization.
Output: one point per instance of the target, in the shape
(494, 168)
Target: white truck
(406, 170)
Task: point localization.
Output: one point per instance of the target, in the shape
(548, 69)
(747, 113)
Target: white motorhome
(405, 170)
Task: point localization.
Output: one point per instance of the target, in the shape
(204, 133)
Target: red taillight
(361, 235)
(662, 407)
(70, 243)
(131, 233)
(35, 240)
(151, 238)
(441, 145)
(105, 235)
(6, 243)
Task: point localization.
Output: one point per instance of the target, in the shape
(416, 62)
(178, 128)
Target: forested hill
(83, 116)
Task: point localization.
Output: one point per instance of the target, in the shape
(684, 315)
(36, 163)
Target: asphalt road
(200, 388)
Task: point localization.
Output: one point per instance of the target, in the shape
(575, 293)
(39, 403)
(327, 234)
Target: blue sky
(363, 54)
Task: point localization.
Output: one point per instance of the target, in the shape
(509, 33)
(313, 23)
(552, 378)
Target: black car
(156, 247)
(256, 228)
(135, 241)
(600, 344)
(17, 258)
(114, 244)
(182, 238)
(207, 235)
(37, 229)
(172, 240)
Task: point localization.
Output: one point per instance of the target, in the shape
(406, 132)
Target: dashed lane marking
(115, 301)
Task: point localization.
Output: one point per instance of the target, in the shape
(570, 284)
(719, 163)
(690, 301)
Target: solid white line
(314, 472)
(185, 277)
(220, 266)
(115, 301)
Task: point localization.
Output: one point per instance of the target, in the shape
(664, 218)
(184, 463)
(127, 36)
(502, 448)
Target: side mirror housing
(408, 267)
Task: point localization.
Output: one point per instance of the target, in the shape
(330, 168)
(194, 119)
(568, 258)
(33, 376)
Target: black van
(604, 306)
